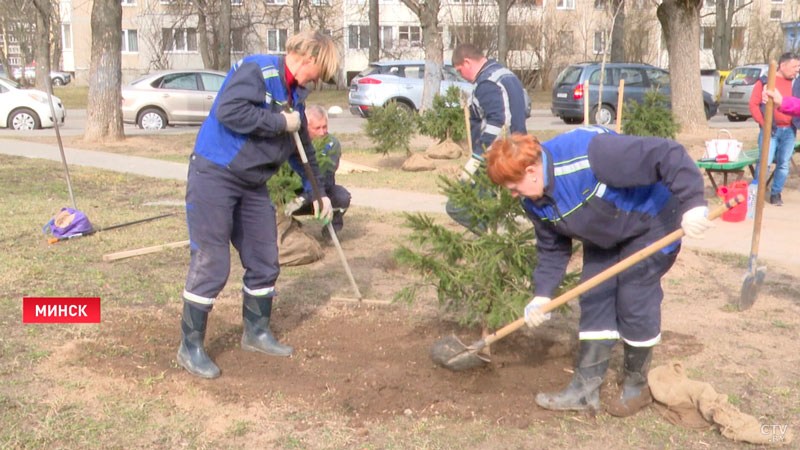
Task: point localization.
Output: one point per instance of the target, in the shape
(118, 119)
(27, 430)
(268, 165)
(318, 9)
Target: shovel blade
(750, 286)
(450, 353)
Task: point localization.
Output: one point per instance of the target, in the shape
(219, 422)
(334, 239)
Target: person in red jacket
(781, 145)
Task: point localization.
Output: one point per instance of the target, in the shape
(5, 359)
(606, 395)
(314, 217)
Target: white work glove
(469, 169)
(292, 121)
(327, 210)
(695, 222)
(294, 206)
(533, 312)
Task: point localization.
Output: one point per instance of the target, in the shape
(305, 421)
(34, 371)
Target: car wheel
(24, 119)
(707, 111)
(152, 119)
(603, 116)
(58, 82)
(404, 106)
(572, 120)
(735, 118)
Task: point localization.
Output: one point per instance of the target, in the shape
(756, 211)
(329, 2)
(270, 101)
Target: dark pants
(340, 201)
(628, 305)
(220, 210)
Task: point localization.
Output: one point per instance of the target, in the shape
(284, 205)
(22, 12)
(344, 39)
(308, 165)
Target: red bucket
(738, 212)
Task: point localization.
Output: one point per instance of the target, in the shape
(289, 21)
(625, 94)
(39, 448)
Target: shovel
(754, 276)
(450, 353)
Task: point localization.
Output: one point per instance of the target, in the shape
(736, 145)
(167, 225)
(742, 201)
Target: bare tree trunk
(680, 23)
(618, 32)
(42, 48)
(103, 113)
(296, 5)
(202, 35)
(723, 34)
(428, 13)
(374, 31)
(502, 30)
(434, 58)
(224, 36)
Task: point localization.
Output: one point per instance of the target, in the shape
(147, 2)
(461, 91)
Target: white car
(27, 109)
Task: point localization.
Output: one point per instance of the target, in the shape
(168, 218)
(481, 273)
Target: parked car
(174, 97)
(400, 81)
(57, 78)
(737, 89)
(26, 109)
(568, 95)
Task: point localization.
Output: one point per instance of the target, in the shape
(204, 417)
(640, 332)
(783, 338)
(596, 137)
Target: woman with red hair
(616, 194)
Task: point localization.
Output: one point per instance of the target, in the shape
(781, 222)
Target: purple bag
(68, 222)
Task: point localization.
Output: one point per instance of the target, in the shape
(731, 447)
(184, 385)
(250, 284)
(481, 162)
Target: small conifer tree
(651, 117)
(482, 278)
(446, 118)
(390, 127)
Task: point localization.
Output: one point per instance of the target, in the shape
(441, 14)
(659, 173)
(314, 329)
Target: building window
(276, 40)
(128, 2)
(14, 61)
(66, 36)
(130, 41)
(600, 4)
(707, 38)
(409, 36)
(179, 39)
(599, 42)
(358, 36)
(386, 37)
(777, 1)
(320, 2)
(775, 15)
(275, 2)
(236, 2)
(237, 40)
(710, 3)
(535, 3)
(565, 4)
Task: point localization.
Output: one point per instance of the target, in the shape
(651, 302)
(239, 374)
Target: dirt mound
(365, 363)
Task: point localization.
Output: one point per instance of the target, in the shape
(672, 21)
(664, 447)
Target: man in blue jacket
(496, 106)
(616, 194)
(247, 136)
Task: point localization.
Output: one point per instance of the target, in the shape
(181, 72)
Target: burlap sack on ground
(295, 246)
(417, 162)
(447, 149)
(696, 405)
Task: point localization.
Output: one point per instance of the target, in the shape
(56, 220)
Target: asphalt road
(541, 119)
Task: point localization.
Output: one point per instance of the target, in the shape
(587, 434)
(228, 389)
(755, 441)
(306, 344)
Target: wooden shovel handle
(608, 273)
(762, 168)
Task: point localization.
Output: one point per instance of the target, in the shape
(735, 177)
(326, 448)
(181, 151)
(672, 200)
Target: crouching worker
(242, 143)
(329, 152)
(616, 194)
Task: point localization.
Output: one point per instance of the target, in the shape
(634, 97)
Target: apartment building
(543, 34)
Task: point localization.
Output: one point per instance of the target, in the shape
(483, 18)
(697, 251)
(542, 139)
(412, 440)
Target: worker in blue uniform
(616, 194)
(246, 137)
(497, 105)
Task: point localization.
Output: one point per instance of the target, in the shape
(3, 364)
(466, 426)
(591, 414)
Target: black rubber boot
(583, 391)
(191, 355)
(634, 391)
(257, 337)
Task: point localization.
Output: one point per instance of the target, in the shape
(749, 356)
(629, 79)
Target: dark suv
(568, 95)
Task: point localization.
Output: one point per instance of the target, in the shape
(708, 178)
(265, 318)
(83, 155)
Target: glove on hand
(695, 222)
(327, 210)
(533, 313)
(469, 169)
(292, 121)
(294, 206)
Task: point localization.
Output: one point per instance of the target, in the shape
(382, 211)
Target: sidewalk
(780, 226)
